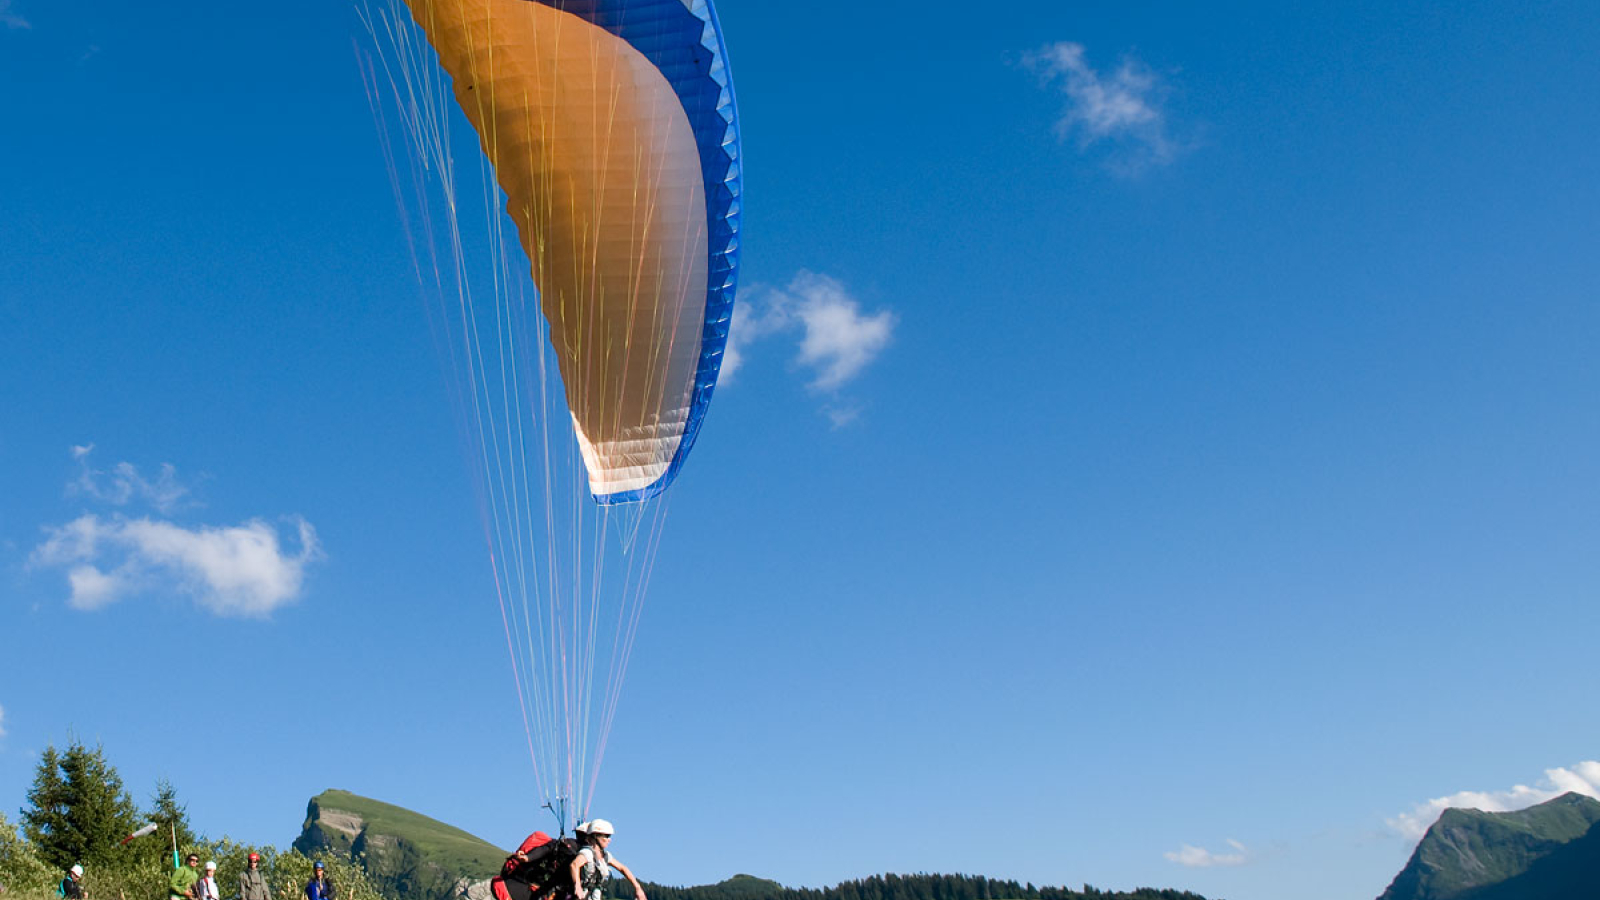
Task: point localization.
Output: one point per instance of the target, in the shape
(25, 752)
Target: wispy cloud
(1583, 778)
(10, 18)
(2, 721)
(837, 340)
(231, 570)
(1121, 108)
(758, 315)
(240, 570)
(842, 414)
(123, 483)
(1201, 858)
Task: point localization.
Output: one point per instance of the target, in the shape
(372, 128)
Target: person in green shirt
(183, 879)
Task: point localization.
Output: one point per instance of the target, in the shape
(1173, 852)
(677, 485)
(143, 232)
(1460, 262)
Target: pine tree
(46, 815)
(171, 818)
(78, 810)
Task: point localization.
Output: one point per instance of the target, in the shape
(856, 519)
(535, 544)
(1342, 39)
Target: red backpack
(540, 866)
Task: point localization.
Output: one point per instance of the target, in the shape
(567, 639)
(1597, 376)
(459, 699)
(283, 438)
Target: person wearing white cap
(205, 888)
(591, 868)
(72, 885)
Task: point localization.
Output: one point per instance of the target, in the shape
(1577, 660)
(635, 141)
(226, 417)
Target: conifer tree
(78, 811)
(46, 815)
(171, 817)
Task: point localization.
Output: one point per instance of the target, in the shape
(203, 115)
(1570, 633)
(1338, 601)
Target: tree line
(902, 887)
(79, 813)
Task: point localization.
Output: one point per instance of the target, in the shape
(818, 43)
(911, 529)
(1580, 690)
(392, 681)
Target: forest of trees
(79, 813)
(901, 887)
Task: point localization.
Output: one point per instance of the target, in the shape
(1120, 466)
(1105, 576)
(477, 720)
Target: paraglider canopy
(610, 131)
(610, 126)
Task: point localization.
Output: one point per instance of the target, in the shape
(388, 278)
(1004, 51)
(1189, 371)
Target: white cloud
(10, 19)
(123, 484)
(1200, 858)
(1121, 107)
(759, 314)
(842, 415)
(1583, 778)
(2, 721)
(92, 588)
(837, 340)
(239, 570)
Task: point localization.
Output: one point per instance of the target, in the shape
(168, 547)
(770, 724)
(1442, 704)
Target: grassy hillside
(409, 856)
(1470, 853)
(1570, 872)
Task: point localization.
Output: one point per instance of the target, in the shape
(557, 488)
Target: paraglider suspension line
(558, 808)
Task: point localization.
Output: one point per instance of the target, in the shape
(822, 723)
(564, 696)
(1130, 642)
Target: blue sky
(1196, 485)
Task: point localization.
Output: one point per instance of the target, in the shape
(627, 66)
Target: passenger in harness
(536, 870)
(591, 868)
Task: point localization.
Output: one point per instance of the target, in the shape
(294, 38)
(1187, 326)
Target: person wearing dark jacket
(319, 887)
(72, 885)
(536, 870)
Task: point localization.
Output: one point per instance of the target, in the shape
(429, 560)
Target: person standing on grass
(253, 884)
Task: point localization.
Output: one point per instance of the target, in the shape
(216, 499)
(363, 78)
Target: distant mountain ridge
(408, 856)
(1545, 852)
(901, 887)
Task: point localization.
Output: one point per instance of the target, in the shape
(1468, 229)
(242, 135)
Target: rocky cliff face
(406, 855)
(1547, 851)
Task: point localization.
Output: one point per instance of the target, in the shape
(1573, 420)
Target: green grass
(446, 846)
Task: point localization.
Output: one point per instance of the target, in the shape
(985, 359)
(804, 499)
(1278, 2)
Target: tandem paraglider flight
(609, 129)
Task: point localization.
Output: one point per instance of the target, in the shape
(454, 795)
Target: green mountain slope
(1547, 851)
(1571, 872)
(412, 857)
(740, 887)
(407, 855)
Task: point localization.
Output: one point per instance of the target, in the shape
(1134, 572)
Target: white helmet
(600, 826)
(210, 866)
(77, 870)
